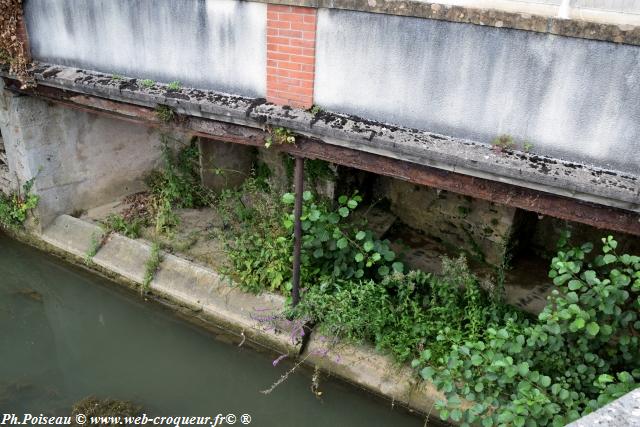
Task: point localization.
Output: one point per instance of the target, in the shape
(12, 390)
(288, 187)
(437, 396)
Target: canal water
(66, 334)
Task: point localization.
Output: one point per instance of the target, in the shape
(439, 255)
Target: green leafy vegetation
(527, 146)
(151, 266)
(129, 227)
(334, 247)
(175, 85)
(315, 171)
(280, 136)
(495, 364)
(580, 353)
(258, 245)
(503, 143)
(97, 241)
(176, 185)
(315, 110)
(165, 113)
(15, 207)
(147, 83)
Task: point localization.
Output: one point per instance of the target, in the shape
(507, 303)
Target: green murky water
(66, 334)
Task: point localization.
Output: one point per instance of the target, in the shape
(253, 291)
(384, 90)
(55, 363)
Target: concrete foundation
(281, 167)
(80, 160)
(479, 228)
(224, 165)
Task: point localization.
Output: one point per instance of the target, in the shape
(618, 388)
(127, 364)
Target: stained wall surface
(212, 44)
(571, 98)
(79, 160)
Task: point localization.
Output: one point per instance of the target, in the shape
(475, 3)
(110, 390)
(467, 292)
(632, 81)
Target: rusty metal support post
(297, 229)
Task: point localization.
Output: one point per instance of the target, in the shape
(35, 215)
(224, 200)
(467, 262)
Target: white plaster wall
(572, 98)
(212, 44)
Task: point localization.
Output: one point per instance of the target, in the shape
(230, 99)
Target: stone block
(223, 164)
(477, 227)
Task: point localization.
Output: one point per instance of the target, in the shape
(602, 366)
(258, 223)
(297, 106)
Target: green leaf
(314, 215)
(577, 324)
(352, 204)
(593, 328)
(456, 414)
(487, 422)
(398, 267)
(368, 246)
(574, 285)
(562, 279)
(523, 368)
(361, 235)
(609, 258)
(359, 257)
(288, 198)
(383, 271)
(427, 373)
(342, 243)
(545, 381)
(476, 360)
(318, 253)
(342, 200)
(306, 196)
(344, 212)
(590, 277)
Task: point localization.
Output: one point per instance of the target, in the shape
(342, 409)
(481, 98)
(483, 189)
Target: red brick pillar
(291, 55)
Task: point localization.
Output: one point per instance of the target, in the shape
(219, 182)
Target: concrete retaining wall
(571, 98)
(213, 44)
(80, 160)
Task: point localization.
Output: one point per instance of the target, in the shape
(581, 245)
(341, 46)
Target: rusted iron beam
(297, 229)
(541, 202)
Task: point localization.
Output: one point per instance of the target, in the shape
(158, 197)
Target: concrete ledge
(180, 281)
(623, 412)
(205, 291)
(538, 172)
(604, 26)
(365, 367)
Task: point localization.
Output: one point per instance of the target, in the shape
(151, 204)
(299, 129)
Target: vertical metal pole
(297, 229)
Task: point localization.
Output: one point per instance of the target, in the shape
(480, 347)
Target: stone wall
(476, 227)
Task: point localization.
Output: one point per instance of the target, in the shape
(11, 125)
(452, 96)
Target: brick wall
(291, 44)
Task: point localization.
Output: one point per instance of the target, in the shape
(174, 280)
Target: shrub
(15, 207)
(581, 353)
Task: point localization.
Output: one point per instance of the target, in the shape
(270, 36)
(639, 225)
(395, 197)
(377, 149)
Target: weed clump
(15, 207)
